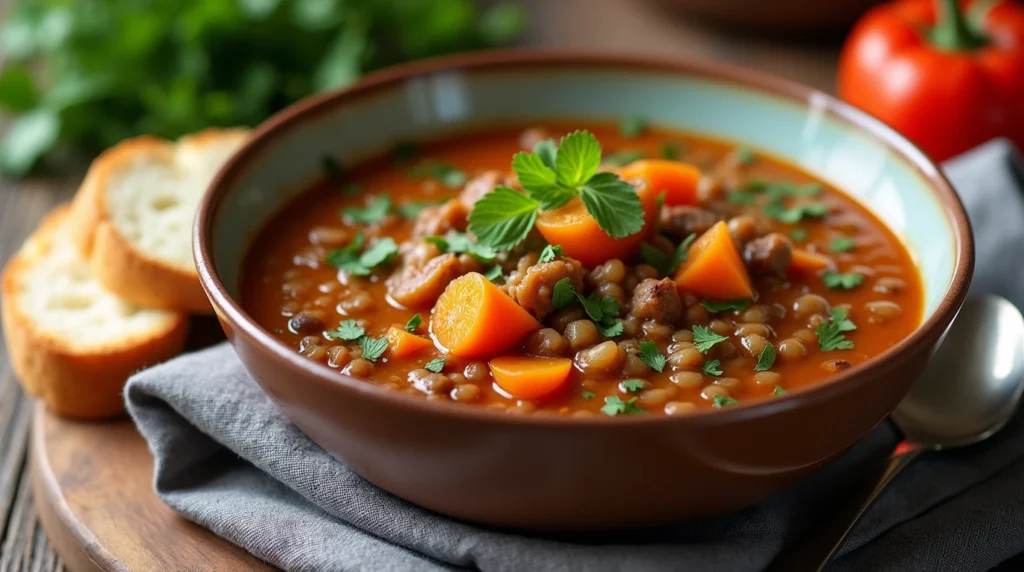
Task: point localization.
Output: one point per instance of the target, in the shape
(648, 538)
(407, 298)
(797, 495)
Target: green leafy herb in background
(85, 75)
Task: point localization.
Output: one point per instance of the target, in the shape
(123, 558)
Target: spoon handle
(822, 542)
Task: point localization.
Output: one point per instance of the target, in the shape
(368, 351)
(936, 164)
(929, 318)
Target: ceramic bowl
(534, 472)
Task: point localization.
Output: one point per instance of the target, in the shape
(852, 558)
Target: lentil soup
(658, 273)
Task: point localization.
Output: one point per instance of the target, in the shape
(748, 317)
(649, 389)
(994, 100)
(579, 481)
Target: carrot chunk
(714, 268)
(571, 227)
(804, 262)
(677, 180)
(525, 377)
(404, 344)
(473, 318)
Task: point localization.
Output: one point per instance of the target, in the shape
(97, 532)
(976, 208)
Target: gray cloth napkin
(228, 459)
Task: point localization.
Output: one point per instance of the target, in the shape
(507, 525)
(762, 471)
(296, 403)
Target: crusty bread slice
(132, 217)
(73, 343)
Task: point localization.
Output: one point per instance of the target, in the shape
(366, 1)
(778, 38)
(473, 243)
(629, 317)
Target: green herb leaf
(579, 155)
(612, 330)
(634, 385)
(632, 126)
(614, 204)
(798, 234)
(461, 243)
(713, 368)
(766, 360)
(548, 153)
(380, 252)
(723, 401)
(830, 334)
(347, 331)
(666, 264)
(671, 151)
(503, 218)
(741, 197)
(715, 307)
(549, 253)
(28, 137)
(745, 156)
(704, 339)
(495, 274)
(623, 158)
(602, 311)
(441, 172)
(563, 294)
(842, 244)
(795, 214)
(588, 395)
(348, 258)
(373, 348)
(373, 212)
(414, 323)
(413, 209)
(614, 406)
(778, 390)
(779, 190)
(650, 355)
(838, 281)
(436, 365)
(540, 181)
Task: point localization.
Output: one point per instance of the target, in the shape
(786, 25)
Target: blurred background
(78, 76)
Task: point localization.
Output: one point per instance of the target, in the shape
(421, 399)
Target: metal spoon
(969, 390)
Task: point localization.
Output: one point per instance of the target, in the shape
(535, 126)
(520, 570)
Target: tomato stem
(952, 32)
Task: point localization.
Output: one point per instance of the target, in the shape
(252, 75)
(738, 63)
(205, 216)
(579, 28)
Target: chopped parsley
(503, 217)
(715, 307)
(614, 406)
(838, 281)
(830, 334)
(413, 324)
(741, 197)
(349, 259)
(704, 339)
(623, 158)
(634, 385)
(724, 401)
(667, 263)
(373, 212)
(798, 234)
(842, 244)
(632, 126)
(461, 243)
(549, 253)
(602, 311)
(650, 355)
(671, 150)
(745, 156)
(436, 365)
(495, 274)
(347, 331)
(441, 172)
(563, 294)
(588, 395)
(413, 209)
(373, 348)
(792, 215)
(766, 360)
(713, 368)
(778, 390)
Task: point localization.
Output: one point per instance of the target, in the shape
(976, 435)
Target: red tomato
(944, 82)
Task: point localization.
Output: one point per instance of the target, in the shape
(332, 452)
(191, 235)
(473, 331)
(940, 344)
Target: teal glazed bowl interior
(564, 473)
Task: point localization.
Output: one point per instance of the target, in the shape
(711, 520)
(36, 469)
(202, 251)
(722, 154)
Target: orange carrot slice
(804, 262)
(525, 377)
(677, 180)
(473, 318)
(403, 344)
(714, 268)
(571, 227)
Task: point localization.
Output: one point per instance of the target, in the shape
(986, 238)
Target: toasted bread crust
(73, 382)
(121, 268)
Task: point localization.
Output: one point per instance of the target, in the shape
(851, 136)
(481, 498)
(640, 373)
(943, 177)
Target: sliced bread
(132, 217)
(73, 343)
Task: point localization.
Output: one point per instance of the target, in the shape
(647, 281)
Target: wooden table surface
(611, 25)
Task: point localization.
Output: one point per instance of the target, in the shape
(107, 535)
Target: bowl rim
(310, 108)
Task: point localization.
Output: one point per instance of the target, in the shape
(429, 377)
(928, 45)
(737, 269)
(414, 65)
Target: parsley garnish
(614, 406)
(724, 401)
(436, 365)
(503, 217)
(671, 150)
(778, 190)
(413, 209)
(634, 385)
(442, 172)
(766, 360)
(495, 273)
(664, 262)
(740, 197)
(623, 158)
(793, 215)
(549, 253)
(460, 243)
(588, 395)
(715, 307)
(347, 331)
(373, 212)
(842, 244)
(373, 348)
(838, 281)
(602, 311)
(563, 294)
(350, 260)
(713, 367)
(778, 390)
(798, 234)
(745, 156)
(704, 339)
(650, 355)
(830, 334)
(413, 324)
(632, 126)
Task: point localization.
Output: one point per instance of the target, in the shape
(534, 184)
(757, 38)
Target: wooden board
(93, 488)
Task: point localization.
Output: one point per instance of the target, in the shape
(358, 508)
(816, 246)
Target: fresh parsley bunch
(88, 74)
(551, 177)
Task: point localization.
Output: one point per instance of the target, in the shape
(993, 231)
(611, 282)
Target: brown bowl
(553, 473)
